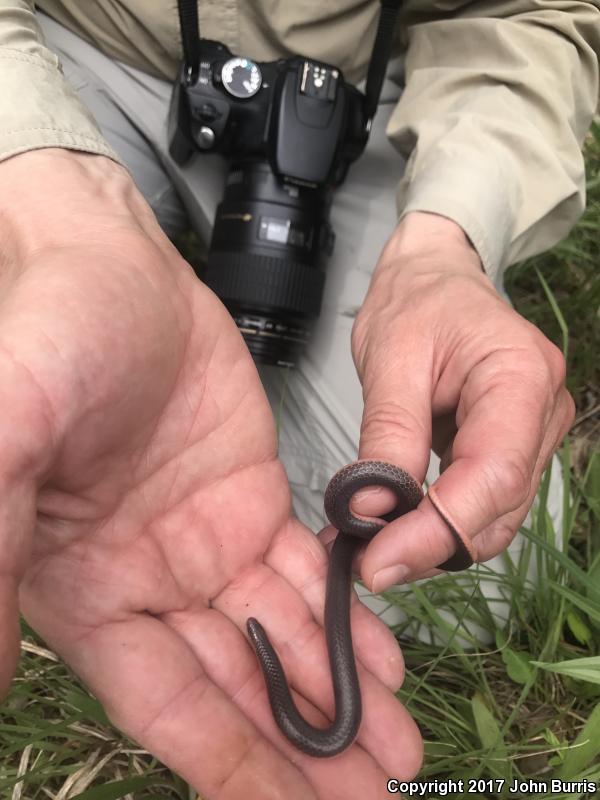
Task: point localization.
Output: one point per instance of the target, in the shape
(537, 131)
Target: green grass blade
(557, 313)
(583, 669)
(585, 748)
(490, 735)
(591, 609)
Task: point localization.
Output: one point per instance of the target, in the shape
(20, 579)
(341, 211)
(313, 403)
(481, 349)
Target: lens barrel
(266, 257)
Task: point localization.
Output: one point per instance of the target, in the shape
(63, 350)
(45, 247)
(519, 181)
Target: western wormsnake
(326, 742)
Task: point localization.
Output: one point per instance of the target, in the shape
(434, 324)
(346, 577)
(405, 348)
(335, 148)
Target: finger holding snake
(434, 341)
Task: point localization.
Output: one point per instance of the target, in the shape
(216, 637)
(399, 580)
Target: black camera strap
(382, 47)
(190, 35)
(380, 55)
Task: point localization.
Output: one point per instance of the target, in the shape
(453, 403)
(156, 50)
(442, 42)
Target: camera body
(297, 113)
(290, 129)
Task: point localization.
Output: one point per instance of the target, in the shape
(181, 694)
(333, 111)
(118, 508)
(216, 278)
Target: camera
(290, 129)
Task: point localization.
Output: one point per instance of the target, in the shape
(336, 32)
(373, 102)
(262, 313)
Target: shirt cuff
(38, 109)
(472, 191)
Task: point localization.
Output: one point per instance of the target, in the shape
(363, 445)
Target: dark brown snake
(326, 742)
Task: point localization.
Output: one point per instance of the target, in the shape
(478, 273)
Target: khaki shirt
(499, 93)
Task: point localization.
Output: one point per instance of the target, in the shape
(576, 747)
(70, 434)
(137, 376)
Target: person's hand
(144, 515)
(444, 361)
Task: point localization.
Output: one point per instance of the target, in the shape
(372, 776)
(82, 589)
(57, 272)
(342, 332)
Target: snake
(353, 532)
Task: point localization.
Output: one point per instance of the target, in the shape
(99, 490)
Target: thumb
(17, 519)
(396, 422)
(23, 442)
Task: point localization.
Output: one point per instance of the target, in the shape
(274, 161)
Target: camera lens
(265, 260)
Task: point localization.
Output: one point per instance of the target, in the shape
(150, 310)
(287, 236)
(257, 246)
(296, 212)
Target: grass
(571, 274)
(525, 707)
(505, 711)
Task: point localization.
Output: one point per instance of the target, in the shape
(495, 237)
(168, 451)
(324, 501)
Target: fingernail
(384, 578)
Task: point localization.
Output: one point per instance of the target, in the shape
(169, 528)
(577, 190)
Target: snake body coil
(325, 742)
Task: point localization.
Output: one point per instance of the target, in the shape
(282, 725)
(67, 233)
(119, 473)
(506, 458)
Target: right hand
(144, 515)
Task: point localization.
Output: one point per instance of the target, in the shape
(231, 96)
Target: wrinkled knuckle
(389, 419)
(556, 363)
(494, 539)
(514, 480)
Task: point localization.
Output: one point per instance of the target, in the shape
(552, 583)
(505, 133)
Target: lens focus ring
(251, 279)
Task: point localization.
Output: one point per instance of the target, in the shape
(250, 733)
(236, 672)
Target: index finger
(501, 423)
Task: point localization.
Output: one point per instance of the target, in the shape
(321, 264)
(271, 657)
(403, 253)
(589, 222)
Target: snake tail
(320, 742)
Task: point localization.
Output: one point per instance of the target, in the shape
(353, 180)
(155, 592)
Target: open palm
(151, 517)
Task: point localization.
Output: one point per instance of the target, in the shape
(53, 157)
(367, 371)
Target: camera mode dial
(241, 77)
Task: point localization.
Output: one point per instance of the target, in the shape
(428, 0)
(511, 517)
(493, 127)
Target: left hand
(144, 514)
(444, 361)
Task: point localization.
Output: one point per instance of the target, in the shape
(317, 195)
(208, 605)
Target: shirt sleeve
(498, 99)
(38, 108)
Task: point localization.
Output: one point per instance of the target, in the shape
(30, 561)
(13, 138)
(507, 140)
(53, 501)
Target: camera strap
(382, 47)
(380, 55)
(190, 35)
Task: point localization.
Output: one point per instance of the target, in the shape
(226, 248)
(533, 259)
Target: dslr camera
(290, 129)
